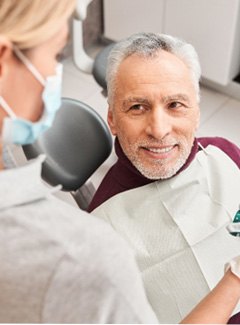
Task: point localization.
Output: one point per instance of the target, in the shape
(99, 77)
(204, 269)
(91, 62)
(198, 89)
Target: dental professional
(58, 264)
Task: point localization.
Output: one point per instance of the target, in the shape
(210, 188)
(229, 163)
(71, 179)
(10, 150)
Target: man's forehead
(140, 72)
(157, 56)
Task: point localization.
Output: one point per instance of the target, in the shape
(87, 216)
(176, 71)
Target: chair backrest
(76, 145)
(100, 65)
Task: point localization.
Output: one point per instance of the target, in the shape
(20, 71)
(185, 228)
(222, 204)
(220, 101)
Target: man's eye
(137, 107)
(174, 105)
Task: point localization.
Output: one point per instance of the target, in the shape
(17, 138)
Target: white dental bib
(177, 228)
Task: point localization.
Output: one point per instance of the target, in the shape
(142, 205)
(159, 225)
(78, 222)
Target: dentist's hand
(234, 266)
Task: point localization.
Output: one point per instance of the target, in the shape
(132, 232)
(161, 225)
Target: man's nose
(159, 124)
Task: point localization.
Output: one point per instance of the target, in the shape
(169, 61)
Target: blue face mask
(19, 131)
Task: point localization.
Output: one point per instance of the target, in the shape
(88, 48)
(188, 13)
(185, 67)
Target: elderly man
(170, 195)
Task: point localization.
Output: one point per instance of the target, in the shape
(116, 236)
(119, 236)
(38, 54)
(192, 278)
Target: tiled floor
(220, 114)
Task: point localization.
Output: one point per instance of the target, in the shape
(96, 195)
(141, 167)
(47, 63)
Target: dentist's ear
(111, 120)
(5, 54)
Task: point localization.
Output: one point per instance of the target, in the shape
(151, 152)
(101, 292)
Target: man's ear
(5, 53)
(111, 120)
(198, 119)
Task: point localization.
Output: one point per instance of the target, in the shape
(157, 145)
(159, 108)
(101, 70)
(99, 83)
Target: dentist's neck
(2, 113)
(1, 161)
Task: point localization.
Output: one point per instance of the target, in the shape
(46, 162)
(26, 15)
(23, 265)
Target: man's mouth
(159, 150)
(163, 152)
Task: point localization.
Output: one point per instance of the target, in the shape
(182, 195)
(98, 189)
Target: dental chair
(78, 142)
(100, 66)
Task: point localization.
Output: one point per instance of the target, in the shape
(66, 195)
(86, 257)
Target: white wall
(212, 26)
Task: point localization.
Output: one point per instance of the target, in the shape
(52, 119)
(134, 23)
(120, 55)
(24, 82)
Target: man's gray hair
(147, 45)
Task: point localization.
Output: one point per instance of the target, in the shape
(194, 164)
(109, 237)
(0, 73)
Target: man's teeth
(158, 150)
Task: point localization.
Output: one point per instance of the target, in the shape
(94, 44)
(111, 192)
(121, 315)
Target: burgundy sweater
(123, 176)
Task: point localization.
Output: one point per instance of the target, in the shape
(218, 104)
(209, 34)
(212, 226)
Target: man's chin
(155, 175)
(156, 172)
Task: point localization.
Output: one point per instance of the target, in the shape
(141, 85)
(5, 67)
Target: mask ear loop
(203, 149)
(29, 65)
(7, 108)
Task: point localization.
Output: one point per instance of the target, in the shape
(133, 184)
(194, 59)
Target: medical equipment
(234, 227)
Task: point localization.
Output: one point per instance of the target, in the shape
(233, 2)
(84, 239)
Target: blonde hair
(27, 23)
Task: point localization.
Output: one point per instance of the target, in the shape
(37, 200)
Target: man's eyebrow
(130, 100)
(140, 100)
(175, 97)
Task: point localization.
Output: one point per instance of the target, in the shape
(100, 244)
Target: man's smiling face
(154, 113)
